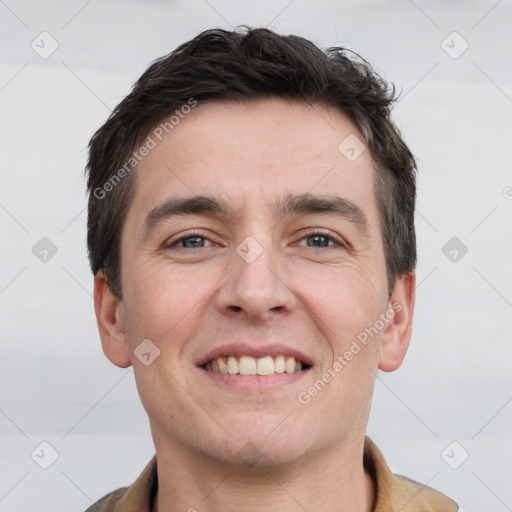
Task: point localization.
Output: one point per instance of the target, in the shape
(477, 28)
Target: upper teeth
(247, 365)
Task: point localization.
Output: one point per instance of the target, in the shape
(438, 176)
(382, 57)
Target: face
(253, 262)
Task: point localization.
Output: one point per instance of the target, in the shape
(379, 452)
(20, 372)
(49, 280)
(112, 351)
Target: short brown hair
(244, 64)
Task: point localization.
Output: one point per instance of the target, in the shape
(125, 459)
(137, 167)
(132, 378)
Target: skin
(189, 300)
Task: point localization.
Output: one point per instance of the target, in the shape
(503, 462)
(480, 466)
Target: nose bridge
(254, 261)
(255, 285)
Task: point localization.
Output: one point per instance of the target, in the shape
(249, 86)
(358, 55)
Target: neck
(330, 481)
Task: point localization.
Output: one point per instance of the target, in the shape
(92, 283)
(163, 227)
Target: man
(251, 233)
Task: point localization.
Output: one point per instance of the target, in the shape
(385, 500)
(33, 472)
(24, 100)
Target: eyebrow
(214, 206)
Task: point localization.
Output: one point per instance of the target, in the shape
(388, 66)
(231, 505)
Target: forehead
(264, 130)
(254, 154)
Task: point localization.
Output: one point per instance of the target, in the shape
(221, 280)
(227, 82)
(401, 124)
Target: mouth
(245, 365)
(256, 367)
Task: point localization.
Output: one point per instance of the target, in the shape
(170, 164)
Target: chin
(263, 442)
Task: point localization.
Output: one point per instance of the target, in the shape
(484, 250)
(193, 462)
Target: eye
(320, 239)
(193, 240)
(196, 240)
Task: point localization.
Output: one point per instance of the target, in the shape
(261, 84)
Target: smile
(247, 365)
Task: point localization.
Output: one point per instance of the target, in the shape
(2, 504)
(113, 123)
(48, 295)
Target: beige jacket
(394, 493)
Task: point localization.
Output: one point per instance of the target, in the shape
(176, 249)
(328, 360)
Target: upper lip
(243, 349)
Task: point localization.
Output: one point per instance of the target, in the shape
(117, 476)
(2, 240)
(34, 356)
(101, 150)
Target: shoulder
(400, 493)
(419, 497)
(138, 496)
(108, 502)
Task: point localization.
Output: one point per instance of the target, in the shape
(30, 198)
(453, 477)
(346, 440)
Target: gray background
(456, 111)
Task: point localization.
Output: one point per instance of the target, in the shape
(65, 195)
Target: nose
(256, 289)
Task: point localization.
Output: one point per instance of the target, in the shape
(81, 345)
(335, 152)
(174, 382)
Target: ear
(111, 323)
(395, 341)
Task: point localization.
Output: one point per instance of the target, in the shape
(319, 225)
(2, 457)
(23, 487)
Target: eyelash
(317, 232)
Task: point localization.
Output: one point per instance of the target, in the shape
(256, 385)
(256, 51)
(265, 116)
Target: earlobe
(397, 335)
(111, 323)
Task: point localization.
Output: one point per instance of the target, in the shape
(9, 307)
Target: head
(264, 134)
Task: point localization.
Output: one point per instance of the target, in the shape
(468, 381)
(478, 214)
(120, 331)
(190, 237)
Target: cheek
(165, 305)
(345, 307)
(346, 299)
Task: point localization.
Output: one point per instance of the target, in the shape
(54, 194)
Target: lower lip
(255, 382)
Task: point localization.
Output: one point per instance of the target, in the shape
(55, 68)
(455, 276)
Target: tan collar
(397, 493)
(394, 493)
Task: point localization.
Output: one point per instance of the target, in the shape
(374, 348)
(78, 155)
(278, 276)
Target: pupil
(316, 238)
(191, 242)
